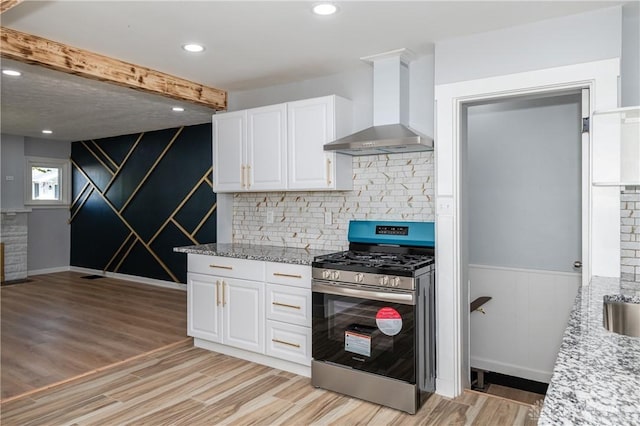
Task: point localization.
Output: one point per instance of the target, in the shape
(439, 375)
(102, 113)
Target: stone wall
(385, 187)
(13, 233)
(630, 236)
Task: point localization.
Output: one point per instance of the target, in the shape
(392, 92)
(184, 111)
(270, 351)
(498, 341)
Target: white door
(203, 298)
(311, 125)
(266, 147)
(229, 160)
(243, 314)
(524, 210)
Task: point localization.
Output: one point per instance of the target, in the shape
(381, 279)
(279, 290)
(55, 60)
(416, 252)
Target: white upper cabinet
(249, 149)
(280, 147)
(311, 124)
(266, 148)
(229, 137)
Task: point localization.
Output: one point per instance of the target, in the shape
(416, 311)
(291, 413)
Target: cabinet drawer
(289, 342)
(226, 267)
(289, 304)
(289, 274)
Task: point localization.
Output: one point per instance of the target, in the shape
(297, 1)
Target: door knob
(577, 264)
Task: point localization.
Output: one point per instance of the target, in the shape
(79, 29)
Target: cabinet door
(203, 307)
(243, 314)
(266, 148)
(310, 126)
(229, 142)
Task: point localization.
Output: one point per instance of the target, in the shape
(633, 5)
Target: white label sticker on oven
(389, 321)
(357, 343)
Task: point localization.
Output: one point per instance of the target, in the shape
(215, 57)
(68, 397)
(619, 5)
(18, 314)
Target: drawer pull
(295, 345)
(285, 305)
(280, 274)
(220, 266)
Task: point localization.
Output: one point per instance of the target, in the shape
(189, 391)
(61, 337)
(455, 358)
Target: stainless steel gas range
(373, 327)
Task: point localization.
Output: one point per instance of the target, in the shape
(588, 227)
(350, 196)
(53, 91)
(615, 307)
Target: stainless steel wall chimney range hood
(390, 132)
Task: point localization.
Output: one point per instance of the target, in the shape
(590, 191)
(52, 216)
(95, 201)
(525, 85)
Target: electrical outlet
(9, 178)
(269, 216)
(328, 220)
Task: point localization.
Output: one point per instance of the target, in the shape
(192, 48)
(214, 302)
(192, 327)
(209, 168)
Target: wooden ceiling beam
(8, 4)
(36, 50)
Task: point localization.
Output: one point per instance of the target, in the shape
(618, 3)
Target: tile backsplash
(630, 237)
(385, 187)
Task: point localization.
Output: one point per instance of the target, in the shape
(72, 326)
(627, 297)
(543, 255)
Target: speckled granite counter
(255, 252)
(596, 379)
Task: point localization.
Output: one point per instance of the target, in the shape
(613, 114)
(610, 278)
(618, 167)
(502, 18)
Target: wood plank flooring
(191, 386)
(59, 326)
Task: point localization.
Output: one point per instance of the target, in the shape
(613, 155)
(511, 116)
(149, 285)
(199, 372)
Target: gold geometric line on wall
(124, 221)
(125, 255)
(204, 219)
(184, 231)
(115, 165)
(117, 252)
(151, 169)
(177, 209)
(84, 188)
(77, 210)
(97, 158)
(115, 175)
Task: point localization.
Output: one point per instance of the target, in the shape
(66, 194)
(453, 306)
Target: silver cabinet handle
(217, 292)
(242, 169)
(248, 177)
(295, 345)
(286, 305)
(280, 274)
(577, 264)
(328, 172)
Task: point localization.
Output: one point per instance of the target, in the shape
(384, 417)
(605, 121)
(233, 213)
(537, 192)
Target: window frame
(64, 172)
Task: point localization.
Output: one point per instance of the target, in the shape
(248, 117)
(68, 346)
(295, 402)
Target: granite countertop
(596, 379)
(278, 254)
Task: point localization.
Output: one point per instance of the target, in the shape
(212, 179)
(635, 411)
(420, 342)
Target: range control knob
(384, 280)
(326, 274)
(335, 275)
(358, 277)
(395, 282)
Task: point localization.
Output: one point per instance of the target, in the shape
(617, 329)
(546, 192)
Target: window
(47, 182)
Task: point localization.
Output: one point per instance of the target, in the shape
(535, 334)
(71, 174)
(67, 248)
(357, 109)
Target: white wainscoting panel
(521, 332)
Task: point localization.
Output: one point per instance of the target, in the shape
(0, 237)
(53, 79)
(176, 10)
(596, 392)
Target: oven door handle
(402, 298)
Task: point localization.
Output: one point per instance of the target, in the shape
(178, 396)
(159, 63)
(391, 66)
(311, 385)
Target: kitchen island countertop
(298, 256)
(596, 379)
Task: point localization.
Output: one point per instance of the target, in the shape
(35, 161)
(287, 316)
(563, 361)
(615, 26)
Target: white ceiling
(249, 45)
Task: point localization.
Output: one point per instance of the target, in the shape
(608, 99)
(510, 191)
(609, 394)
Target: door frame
(600, 206)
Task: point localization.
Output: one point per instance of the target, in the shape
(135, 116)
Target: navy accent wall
(135, 197)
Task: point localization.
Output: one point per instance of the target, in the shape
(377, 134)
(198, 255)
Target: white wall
(12, 154)
(49, 235)
(568, 40)
(630, 62)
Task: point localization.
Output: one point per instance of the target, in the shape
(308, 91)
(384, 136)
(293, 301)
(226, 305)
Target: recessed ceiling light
(193, 47)
(325, 9)
(47, 131)
(12, 73)
(177, 109)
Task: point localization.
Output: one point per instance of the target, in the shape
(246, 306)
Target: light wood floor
(191, 386)
(59, 326)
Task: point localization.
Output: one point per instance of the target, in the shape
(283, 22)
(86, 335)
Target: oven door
(369, 330)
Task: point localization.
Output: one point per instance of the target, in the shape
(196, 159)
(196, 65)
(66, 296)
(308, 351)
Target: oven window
(369, 335)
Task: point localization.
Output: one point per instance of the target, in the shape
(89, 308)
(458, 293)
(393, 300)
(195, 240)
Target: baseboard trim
(133, 278)
(48, 270)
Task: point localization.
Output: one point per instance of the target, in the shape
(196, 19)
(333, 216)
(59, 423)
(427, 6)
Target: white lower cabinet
(289, 342)
(256, 310)
(226, 310)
